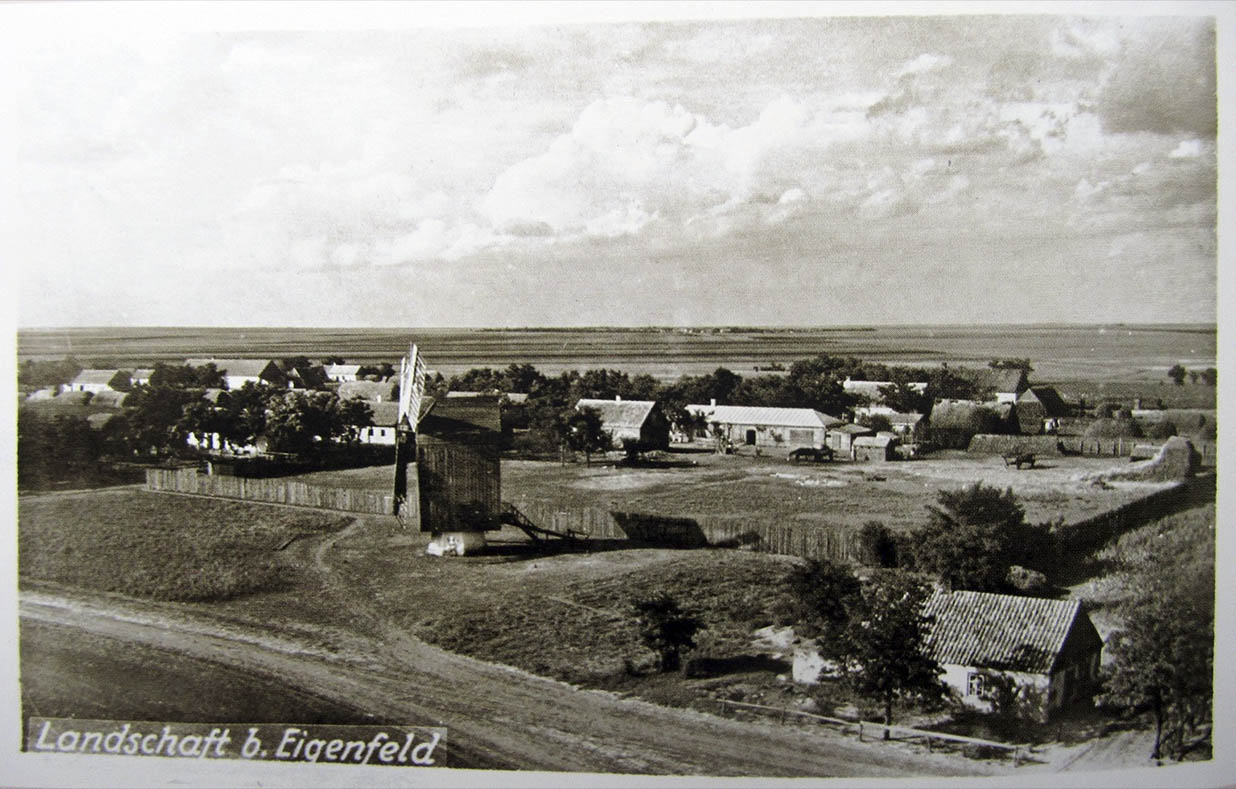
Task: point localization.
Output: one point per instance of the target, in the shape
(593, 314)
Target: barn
(458, 472)
(636, 421)
(95, 381)
(238, 372)
(758, 426)
(880, 447)
(1000, 384)
(1030, 654)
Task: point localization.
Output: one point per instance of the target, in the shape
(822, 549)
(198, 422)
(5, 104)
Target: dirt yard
(701, 483)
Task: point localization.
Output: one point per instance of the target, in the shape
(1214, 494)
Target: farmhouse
(639, 421)
(1039, 410)
(787, 428)
(95, 381)
(1000, 384)
(343, 372)
(840, 438)
(1032, 653)
(879, 447)
(385, 416)
(238, 372)
(141, 376)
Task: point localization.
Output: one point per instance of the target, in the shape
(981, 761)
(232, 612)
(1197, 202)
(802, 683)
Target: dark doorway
(750, 438)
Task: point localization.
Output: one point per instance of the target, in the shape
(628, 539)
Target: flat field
(700, 484)
(1058, 352)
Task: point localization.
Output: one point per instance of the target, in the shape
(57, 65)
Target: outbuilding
(840, 438)
(880, 447)
(342, 372)
(1027, 655)
(95, 381)
(634, 421)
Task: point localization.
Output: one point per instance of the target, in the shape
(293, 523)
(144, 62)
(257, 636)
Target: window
(801, 436)
(975, 685)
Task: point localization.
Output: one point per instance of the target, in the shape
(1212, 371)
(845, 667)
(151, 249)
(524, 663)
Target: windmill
(454, 444)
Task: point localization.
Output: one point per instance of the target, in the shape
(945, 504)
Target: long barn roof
(620, 413)
(764, 415)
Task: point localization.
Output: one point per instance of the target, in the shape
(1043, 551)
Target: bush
(877, 546)
(1162, 429)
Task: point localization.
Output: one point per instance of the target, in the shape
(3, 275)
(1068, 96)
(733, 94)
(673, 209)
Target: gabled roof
(1001, 631)
(142, 374)
(764, 415)
(1048, 397)
(460, 415)
(908, 418)
(95, 377)
(250, 368)
(342, 369)
(620, 413)
(385, 413)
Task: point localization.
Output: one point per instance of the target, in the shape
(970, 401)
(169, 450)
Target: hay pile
(1176, 460)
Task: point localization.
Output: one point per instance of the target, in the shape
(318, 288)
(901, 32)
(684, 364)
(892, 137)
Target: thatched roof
(631, 414)
(1113, 428)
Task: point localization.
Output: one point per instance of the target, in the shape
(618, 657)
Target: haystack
(1176, 460)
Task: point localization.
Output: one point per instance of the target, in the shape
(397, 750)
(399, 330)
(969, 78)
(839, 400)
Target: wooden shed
(879, 447)
(457, 465)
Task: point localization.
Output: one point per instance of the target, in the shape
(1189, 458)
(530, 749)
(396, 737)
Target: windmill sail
(411, 394)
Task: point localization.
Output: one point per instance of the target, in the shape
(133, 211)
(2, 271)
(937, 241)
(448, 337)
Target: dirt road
(497, 717)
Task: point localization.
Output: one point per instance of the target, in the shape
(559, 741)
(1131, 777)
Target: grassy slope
(159, 546)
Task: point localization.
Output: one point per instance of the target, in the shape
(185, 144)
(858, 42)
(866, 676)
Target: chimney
(712, 403)
(617, 398)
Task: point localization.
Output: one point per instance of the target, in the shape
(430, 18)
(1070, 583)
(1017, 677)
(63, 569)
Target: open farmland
(700, 483)
(1095, 353)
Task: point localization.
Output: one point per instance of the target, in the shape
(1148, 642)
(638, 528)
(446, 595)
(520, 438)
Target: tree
(877, 545)
(155, 415)
(1163, 657)
(1210, 376)
(883, 650)
(1177, 374)
(903, 398)
(877, 422)
(243, 413)
(303, 422)
(822, 598)
(1011, 364)
(352, 414)
(585, 433)
(974, 536)
(666, 628)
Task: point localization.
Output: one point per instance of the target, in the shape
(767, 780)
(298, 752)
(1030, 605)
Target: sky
(776, 171)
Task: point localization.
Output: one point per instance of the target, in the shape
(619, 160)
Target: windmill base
(455, 543)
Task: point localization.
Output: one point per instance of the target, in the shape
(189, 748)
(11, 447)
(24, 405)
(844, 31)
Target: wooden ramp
(541, 536)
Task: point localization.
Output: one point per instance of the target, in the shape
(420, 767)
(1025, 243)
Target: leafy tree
(1210, 376)
(1193, 376)
(155, 415)
(1011, 364)
(877, 422)
(877, 544)
(48, 373)
(883, 651)
(243, 413)
(903, 398)
(822, 598)
(53, 448)
(290, 363)
(585, 433)
(666, 628)
(353, 414)
(303, 422)
(1163, 657)
(1177, 374)
(974, 535)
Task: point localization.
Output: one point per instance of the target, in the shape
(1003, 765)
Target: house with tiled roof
(765, 426)
(238, 372)
(633, 421)
(1030, 654)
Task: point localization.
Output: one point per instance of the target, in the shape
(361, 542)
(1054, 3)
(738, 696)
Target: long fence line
(863, 726)
(270, 490)
(836, 542)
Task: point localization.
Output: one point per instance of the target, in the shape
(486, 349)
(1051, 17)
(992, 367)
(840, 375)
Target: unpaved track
(498, 717)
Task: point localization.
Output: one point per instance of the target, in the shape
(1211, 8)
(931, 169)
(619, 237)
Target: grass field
(700, 483)
(160, 546)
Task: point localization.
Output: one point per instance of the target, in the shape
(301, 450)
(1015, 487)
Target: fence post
(860, 731)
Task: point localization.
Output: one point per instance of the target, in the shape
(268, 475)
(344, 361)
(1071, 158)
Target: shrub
(1162, 429)
(877, 546)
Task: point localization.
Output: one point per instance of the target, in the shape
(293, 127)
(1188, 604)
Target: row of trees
(1178, 373)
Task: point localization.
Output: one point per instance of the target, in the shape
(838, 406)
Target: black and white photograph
(568, 394)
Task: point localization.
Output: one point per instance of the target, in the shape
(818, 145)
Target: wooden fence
(876, 730)
(271, 491)
(838, 542)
